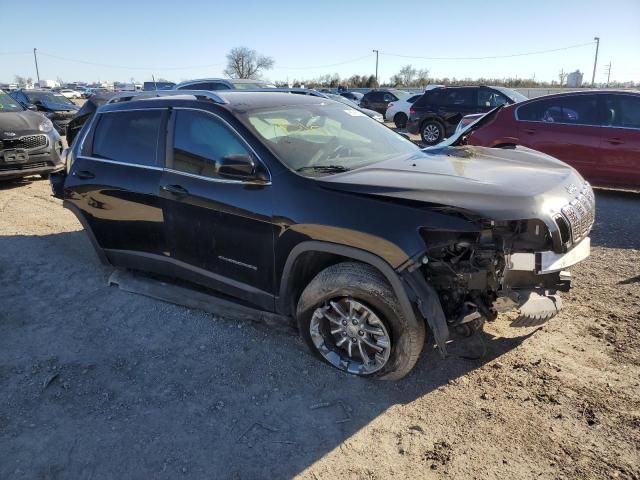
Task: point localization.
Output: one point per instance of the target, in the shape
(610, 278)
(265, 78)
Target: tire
(400, 119)
(358, 288)
(432, 132)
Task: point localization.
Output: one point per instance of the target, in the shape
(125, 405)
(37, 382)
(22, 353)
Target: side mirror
(31, 107)
(237, 166)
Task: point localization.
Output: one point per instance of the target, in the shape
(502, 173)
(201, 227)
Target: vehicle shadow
(17, 182)
(617, 221)
(103, 382)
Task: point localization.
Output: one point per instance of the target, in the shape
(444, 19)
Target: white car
(67, 92)
(398, 111)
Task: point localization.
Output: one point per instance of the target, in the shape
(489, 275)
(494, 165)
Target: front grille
(580, 213)
(22, 166)
(28, 142)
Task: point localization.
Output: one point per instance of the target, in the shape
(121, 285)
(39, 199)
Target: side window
(219, 86)
(622, 111)
(201, 141)
(460, 97)
(490, 98)
(389, 98)
(130, 137)
(197, 86)
(573, 109)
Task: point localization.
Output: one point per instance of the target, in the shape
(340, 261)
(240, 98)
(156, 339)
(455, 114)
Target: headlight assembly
(45, 126)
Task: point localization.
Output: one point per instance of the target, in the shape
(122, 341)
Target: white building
(574, 79)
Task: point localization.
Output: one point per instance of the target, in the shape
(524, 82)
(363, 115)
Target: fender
(505, 140)
(344, 251)
(422, 294)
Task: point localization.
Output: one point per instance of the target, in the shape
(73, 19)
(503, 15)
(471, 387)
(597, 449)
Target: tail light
(411, 111)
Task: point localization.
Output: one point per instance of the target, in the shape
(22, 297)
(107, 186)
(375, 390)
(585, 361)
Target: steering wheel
(331, 149)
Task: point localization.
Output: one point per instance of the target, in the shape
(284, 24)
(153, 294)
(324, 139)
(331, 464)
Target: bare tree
(22, 81)
(242, 62)
(407, 74)
(423, 77)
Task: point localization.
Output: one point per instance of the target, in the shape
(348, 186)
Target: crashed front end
(506, 265)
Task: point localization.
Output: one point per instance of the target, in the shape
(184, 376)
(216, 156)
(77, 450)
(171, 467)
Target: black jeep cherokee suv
(437, 113)
(297, 205)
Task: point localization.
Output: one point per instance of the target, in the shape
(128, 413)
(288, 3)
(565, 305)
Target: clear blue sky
(181, 40)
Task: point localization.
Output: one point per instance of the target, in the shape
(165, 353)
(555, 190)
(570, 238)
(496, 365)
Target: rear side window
(413, 98)
(375, 97)
(432, 97)
(574, 109)
(460, 97)
(201, 141)
(130, 137)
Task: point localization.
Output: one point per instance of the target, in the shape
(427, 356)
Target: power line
(126, 67)
(491, 56)
(325, 66)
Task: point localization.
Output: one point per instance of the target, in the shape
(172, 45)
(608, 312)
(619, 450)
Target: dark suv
(55, 106)
(380, 99)
(300, 206)
(29, 145)
(437, 113)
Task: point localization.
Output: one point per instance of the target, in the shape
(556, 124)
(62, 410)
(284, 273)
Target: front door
(219, 229)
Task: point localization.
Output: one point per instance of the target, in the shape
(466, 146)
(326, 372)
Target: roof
(232, 100)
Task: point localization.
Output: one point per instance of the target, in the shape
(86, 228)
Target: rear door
(455, 104)
(566, 127)
(114, 181)
(219, 229)
(620, 141)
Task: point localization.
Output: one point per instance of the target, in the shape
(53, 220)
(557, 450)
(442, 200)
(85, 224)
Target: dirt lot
(99, 383)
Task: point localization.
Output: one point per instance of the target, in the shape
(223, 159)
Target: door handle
(85, 175)
(615, 141)
(530, 131)
(175, 189)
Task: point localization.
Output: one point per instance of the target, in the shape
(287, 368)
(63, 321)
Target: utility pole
(376, 52)
(608, 72)
(35, 57)
(595, 62)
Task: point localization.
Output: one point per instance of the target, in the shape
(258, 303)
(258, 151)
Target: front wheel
(351, 318)
(432, 132)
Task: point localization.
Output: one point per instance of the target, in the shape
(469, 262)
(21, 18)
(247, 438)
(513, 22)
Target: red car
(596, 132)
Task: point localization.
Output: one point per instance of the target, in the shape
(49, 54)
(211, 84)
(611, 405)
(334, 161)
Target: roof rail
(196, 94)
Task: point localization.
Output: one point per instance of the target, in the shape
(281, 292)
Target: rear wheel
(432, 132)
(351, 318)
(400, 120)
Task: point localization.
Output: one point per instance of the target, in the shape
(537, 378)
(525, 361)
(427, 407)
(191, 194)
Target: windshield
(47, 97)
(341, 99)
(322, 139)
(512, 94)
(8, 104)
(251, 85)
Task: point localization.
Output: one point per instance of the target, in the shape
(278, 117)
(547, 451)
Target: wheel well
(431, 119)
(306, 266)
(400, 113)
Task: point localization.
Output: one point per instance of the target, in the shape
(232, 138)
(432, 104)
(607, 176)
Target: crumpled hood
(60, 107)
(498, 184)
(20, 123)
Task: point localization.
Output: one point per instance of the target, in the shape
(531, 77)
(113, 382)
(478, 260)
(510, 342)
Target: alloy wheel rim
(431, 133)
(350, 336)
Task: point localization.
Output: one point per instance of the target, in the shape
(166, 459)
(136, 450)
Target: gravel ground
(99, 383)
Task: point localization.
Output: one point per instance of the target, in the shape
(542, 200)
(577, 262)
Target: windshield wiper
(324, 168)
